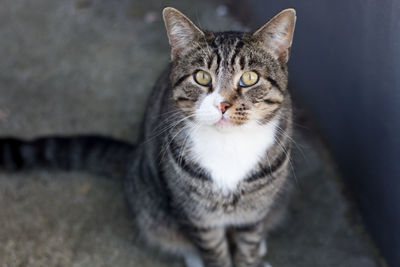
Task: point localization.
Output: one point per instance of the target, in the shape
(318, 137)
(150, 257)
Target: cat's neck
(230, 154)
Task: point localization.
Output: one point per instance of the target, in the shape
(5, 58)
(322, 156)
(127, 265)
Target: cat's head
(229, 79)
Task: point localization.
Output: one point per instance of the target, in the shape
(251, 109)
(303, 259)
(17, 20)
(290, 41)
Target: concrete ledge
(87, 66)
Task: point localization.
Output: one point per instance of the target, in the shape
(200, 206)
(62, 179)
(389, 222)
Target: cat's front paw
(263, 249)
(193, 260)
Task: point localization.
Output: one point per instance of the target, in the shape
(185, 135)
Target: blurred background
(87, 66)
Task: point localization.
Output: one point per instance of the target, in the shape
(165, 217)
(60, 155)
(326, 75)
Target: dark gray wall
(345, 67)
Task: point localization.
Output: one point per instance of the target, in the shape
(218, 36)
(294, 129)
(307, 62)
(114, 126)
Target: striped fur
(177, 195)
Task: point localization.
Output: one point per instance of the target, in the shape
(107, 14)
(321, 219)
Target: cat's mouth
(222, 121)
(223, 124)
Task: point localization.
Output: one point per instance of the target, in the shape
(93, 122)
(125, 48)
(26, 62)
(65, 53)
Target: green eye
(202, 78)
(248, 78)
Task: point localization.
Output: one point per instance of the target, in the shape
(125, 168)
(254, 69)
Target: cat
(209, 176)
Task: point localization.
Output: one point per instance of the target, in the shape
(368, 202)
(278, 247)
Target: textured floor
(87, 66)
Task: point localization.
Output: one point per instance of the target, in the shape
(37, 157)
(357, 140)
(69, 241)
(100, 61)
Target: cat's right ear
(181, 31)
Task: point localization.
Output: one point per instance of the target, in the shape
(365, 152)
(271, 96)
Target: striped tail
(92, 153)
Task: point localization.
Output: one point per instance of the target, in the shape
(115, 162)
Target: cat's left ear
(277, 34)
(182, 32)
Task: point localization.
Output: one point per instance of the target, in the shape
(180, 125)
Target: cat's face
(229, 79)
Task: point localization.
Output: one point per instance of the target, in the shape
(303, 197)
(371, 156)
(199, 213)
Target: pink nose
(224, 106)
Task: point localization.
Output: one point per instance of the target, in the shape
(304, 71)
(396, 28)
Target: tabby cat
(208, 178)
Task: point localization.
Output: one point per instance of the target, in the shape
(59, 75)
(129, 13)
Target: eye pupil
(202, 78)
(248, 78)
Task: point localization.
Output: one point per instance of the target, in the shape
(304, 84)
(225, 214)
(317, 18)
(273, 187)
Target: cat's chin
(223, 122)
(223, 125)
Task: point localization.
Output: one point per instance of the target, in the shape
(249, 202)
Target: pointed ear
(181, 31)
(277, 34)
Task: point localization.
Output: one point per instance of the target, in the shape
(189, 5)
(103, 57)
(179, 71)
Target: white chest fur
(229, 156)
